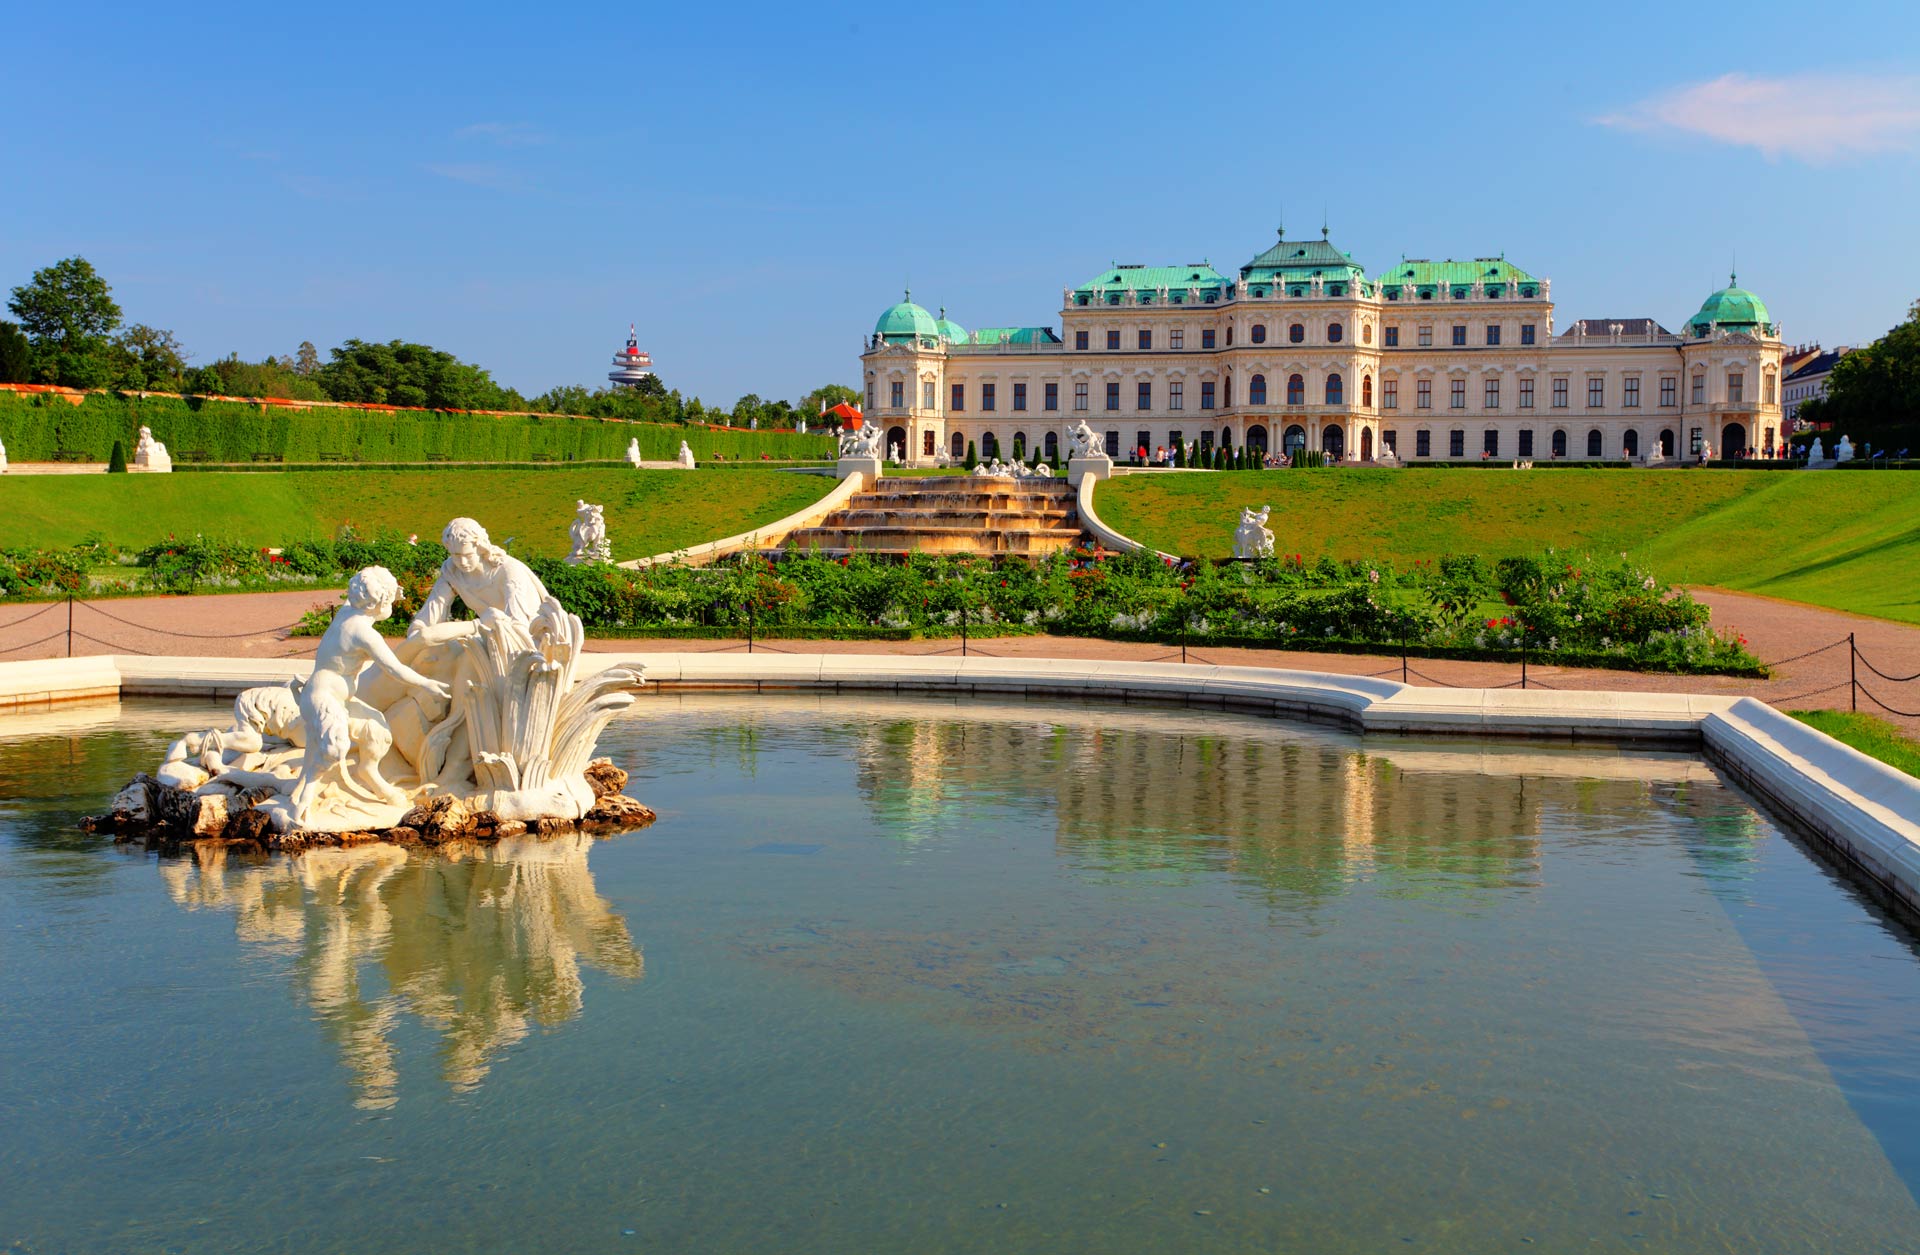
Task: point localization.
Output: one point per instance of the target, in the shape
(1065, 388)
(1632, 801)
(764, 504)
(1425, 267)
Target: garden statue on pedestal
(1085, 441)
(1843, 452)
(150, 455)
(633, 451)
(481, 725)
(863, 442)
(1252, 539)
(589, 535)
(1816, 453)
(3, 459)
(685, 457)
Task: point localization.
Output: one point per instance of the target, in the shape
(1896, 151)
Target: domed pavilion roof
(906, 321)
(950, 330)
(1732, 307)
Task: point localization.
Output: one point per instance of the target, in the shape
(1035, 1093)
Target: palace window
(1019, 396)
(1113, 396)
(1699, 387)
(1630, 392)
(1143, 443)
(1526, 333)
(959, 445)
(1594, 444)
(1257, 390)
(1229, 335)
(1559, 444)
(1113, 444)
(1176, 395)
(1334, 332)
(1143, 396)
(1391, 439)
(1669, 389)
(1366, 333)
(1736, 387)
(1206, 394)
(1559, 394)
(1526, 394)
(926, 394)
(986, 396)
(989, 445)
(1389, 394)
(1258, 334)
(869, 394)
(1458, 397)
(1493, 335)
(1423, 395)
(1146, 338)
(1079, 396)
(1080, 340)
(1456, 443)
(1177, 338)
(1296, 333)
(1206, 337)
(897, 391)
(1526, 442)
(1596, 392)
(1426, 336)
(1296, 390)
(1490, 442)
(1493, 394)
(1366, 391)
(1460, 334)
(1423, 443)
(1391, 337)
(1113, 339)
(1226, 392)
(959, 397)
(1336, 390)
(1767, 387)
(1052, 401)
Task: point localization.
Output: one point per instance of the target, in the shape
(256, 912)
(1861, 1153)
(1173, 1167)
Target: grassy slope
(1869, 734)
(1847, 539)
(647, 512)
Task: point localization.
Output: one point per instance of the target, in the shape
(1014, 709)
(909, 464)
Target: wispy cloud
(479, 174)
(1816, 118)
(504, 134)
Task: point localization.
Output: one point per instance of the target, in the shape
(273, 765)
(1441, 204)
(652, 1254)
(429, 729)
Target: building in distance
(630, 365)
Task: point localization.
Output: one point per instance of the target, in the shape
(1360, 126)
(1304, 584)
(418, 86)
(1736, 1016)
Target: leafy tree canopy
(398, 373)
(16, 354)
(147, 357)
(1874, 393)
(68, 311)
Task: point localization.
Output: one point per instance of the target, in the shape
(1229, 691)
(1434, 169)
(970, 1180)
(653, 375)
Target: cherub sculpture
(589, 535)
(1252, 539)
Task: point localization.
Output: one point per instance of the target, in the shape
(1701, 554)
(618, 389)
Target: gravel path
(255, 625)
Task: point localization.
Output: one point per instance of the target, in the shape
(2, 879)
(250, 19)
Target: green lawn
(647, 512)
(1846, 539)
(1869, 734)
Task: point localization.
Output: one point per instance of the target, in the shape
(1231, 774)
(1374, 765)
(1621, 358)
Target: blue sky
(753, 183)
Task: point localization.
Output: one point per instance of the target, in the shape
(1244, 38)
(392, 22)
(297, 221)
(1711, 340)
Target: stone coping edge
(1866, 811)
(766, 537)
(1094, 525)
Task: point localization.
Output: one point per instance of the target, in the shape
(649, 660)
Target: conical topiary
(973, 459)
(117, 460)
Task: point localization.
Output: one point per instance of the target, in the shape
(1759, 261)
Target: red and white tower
(630, 365)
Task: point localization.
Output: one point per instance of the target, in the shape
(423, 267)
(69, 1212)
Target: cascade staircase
(942, 514)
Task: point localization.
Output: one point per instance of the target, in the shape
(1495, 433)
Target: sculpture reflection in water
(480, 943)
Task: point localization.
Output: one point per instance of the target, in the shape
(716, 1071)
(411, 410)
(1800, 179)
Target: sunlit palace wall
(1434, 360)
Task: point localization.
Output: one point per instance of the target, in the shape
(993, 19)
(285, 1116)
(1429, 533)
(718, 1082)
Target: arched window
(1294, 440)
(1336, 391)
(1366, 333)
(1333, 441)
(958, 446)
(1257, 438)
(1020, 445)
(1259, 335)
(1296, 390)
(1559, 444)
(1595, 444)
(1226, 392)
(1366, 391)
(1666, 442)
(1296, 333)
(1633, 444)
(989, 445)
(1052, 446)
(1334, 332)
(1257, 390)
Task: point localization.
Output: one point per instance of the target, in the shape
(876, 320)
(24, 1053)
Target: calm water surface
(915, 976)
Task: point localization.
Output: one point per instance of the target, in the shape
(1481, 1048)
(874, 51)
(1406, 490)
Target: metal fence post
(69, 625)
(1853, 674)
(963, 629)
(749, 627)
(1523, 655)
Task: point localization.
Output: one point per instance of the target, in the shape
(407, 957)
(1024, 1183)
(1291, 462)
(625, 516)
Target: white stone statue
(1843, 452)
(488, 713)
(339, 727)
(1042, 471)
(1817, 453)
(3, 458)
(1252, 539)
(1387, 457)
(589, 535)
(895, 454)
(1085, 441)
(1706, 452)
(633, 451)
(685, 456)
(1654, 456)
(863, 442)
(150, 455)
(800, 426)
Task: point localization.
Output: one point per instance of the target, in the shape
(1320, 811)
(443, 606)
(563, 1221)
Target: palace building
(1433, 360)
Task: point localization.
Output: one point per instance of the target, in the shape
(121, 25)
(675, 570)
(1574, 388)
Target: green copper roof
(1015, 335)
(1732, 306)
(1294, 264)
(906, 321)
(1111, 286)
(1496, 274)
(950, 330)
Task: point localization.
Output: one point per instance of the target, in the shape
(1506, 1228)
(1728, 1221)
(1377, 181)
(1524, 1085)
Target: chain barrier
(193, 636)
(49, 608)
(1904, 714)
(51, 636)
(1894, 679)
(1810, 653)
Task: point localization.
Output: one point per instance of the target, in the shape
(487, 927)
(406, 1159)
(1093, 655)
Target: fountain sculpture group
(482, 726)
(1252, 539)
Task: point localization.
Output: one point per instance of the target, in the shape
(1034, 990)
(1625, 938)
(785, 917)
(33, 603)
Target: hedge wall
(34, 428)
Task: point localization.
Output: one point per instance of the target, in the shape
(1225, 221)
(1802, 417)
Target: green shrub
(117, 460)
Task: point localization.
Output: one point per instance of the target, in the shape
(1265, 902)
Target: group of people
(1163, 456)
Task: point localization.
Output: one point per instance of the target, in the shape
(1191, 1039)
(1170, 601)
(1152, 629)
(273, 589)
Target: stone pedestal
(1098, 465)
(868, 469)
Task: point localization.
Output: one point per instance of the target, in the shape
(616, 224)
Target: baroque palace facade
(1433, 360)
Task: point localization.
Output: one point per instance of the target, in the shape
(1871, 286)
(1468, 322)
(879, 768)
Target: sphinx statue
(685, 456)
(633, 451)
(150, 455)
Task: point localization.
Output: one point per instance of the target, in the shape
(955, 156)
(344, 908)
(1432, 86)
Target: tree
(746, 409)
(149, 357)
(68, 311)
(16, 354)
(825, 397)
(306, 359)
(1873, 395)
(117, 460)
(398, 373)
(973, 459)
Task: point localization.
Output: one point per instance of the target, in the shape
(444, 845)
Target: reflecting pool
(911, 975)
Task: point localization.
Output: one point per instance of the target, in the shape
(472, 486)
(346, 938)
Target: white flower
(1374, 576)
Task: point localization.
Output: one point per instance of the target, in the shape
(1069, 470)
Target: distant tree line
(1873, 395)
(71, 332)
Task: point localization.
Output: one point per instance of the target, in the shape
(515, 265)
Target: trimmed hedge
(37, 427)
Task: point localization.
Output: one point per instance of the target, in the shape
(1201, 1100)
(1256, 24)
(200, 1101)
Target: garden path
(255, 625)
